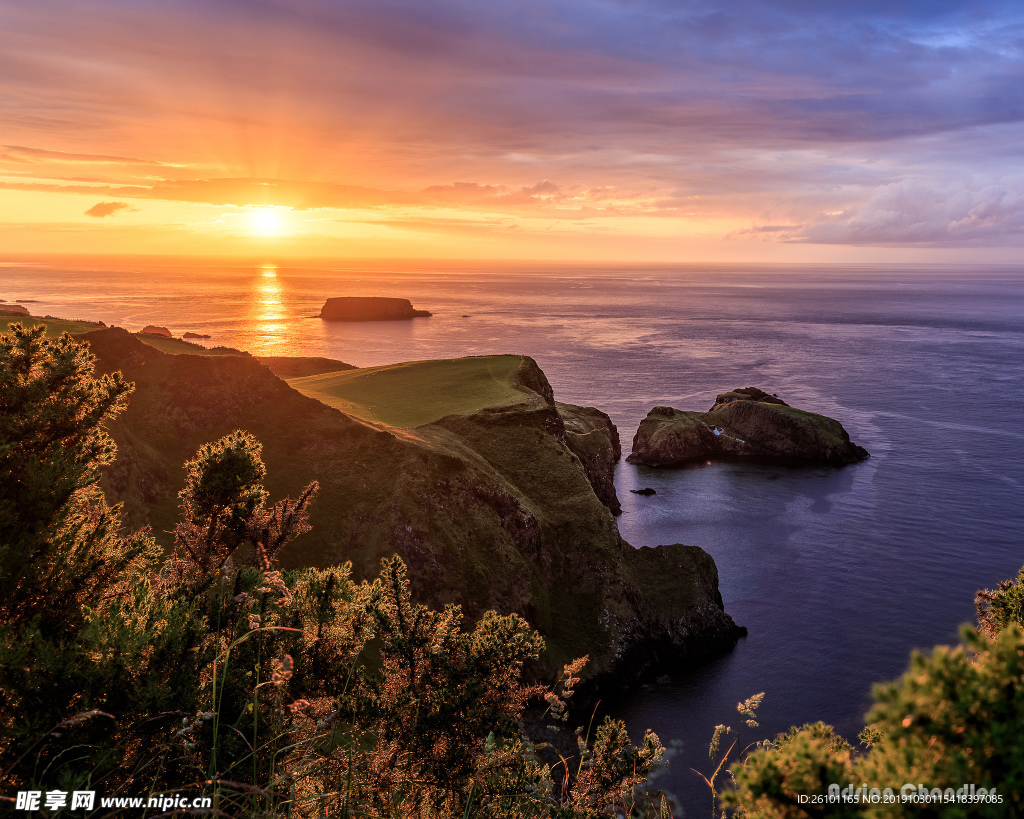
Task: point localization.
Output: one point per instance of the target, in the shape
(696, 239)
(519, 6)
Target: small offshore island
(369, 308)
(745, 423)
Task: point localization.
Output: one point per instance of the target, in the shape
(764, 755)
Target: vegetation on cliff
(212, 670)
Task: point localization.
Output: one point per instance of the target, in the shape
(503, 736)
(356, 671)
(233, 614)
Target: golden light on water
(267, 312)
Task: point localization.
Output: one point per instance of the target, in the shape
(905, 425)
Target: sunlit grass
(417, 392)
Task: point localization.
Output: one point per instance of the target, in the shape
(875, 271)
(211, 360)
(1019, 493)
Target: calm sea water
(838, 574)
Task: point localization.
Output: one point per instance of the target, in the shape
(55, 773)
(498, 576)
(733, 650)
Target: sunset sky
(795, 130)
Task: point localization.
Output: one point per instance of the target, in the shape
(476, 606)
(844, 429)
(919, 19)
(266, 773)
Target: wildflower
(274, 582)
(283, 673)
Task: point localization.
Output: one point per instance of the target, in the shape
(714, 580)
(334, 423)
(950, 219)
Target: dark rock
(369, 308)
(13, 309)
(645, 491)
(745, 423)
(195, 335)
(747, 394)
(594, 439)
(153, 330)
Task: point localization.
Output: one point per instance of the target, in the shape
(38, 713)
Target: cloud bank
(832, 123)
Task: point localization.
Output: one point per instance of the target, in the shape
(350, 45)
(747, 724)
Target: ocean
(837, 573)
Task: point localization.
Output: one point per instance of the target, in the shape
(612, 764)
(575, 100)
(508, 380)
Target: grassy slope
(418, 392)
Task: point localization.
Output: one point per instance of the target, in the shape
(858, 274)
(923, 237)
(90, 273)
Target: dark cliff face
(745, 423)
(594, 439)
(490, 510)
(369, 308)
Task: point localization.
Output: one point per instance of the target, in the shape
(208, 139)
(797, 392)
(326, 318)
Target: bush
(952, 720)
(299, 694)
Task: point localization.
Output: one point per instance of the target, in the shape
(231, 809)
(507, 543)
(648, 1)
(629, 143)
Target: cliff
(490, 507)
(594, 439)
(369, 308)
(745, 423)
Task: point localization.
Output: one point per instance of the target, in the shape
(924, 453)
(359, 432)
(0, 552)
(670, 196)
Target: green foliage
(299, 694)
(63, 559)
(999, 607)
(769, 781)
(55, 533)
(952, 720)
(223, 508)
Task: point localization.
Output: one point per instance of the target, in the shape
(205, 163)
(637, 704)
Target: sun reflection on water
(267, 314)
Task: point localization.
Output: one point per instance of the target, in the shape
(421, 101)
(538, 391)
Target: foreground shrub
(214, 672)
(952, 720)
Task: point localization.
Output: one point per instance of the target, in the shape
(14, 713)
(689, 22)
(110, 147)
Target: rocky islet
(746, 423)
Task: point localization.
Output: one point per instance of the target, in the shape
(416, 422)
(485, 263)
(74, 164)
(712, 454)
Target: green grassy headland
(417, 392)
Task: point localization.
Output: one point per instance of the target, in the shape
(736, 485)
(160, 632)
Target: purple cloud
(965, 212)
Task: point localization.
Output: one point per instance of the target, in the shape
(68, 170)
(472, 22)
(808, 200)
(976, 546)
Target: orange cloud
(106, 209)
(19, 153)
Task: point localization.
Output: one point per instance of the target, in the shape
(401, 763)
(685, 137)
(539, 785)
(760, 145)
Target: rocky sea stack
(369, 308)
(745, 423)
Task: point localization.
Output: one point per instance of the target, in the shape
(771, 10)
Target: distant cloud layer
(916, 211)
(795, 121)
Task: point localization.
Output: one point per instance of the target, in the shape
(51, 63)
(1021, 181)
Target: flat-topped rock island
(745, 423)
(369, 308)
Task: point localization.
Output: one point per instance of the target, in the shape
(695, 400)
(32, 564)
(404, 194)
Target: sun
(265, 223)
